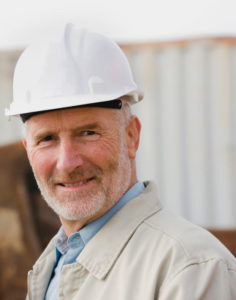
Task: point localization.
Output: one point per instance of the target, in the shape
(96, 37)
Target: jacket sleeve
(207, 280)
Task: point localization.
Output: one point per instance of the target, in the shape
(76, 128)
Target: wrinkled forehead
(67, 119)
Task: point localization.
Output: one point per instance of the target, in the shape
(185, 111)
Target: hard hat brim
(53, 103)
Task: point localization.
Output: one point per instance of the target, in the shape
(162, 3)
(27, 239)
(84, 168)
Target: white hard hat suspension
(114, 104)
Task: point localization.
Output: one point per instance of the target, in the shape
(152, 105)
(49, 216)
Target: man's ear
(24, 143)
(132, 136)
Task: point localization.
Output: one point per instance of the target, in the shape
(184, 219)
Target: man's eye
(89, 135)
(89, 132)
(45, 139)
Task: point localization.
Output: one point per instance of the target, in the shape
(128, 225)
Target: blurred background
(183, 55)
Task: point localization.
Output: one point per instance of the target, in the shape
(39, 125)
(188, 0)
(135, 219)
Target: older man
(116, 239)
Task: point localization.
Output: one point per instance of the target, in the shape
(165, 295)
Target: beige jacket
(143, 253)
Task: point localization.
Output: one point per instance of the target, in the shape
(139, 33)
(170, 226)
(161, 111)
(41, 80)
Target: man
(116, 239)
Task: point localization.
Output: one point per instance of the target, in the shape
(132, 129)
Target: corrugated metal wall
(188, 143)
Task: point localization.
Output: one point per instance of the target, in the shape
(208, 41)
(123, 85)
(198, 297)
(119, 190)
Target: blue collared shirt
(68, 249)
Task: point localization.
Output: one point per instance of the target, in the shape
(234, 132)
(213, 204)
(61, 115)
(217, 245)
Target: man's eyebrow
(88, 126)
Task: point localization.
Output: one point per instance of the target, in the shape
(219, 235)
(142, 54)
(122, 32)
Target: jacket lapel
(40, 275)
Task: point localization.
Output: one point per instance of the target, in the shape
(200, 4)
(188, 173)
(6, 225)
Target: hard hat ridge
(82, 68)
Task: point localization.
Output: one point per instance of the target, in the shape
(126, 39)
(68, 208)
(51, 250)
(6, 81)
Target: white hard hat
(83, 68)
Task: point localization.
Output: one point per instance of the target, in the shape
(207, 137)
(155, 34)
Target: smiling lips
(77, 183)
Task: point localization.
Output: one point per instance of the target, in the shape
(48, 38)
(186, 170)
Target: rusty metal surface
(26, 223)
(227, 237)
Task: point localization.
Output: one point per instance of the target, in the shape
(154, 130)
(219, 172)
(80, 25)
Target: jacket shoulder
(189, 242)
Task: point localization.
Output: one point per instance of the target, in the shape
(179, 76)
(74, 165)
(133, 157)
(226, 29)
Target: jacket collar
(104, 248)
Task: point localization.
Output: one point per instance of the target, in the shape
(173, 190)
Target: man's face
(82, 159)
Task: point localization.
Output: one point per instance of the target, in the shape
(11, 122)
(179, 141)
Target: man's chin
(77, 209)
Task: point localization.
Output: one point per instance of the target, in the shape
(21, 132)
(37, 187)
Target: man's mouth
(76, 183)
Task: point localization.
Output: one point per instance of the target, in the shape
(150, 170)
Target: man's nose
(69, 156)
